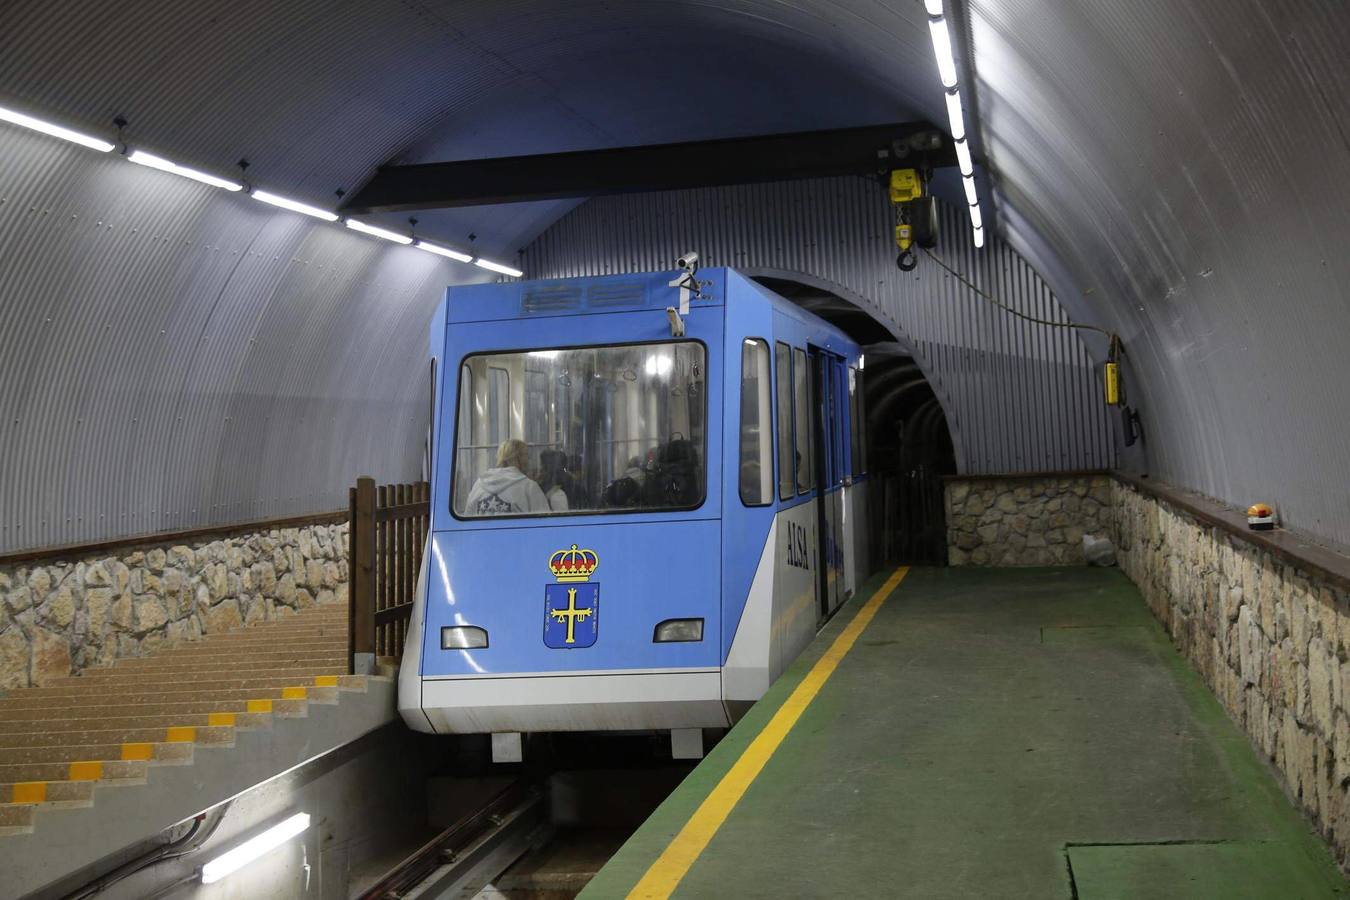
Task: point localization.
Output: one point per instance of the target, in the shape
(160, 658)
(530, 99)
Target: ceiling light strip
(444, 251)
(293, 205)
(956, 119)
(150, 160)
(51, 129)
(373, 231)
(498, 267)
(153, 161)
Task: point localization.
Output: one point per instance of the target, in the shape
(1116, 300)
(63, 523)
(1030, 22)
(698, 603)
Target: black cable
(1111, 336)
(188, 843)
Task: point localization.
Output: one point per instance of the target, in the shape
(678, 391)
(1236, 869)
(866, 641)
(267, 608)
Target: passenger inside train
(606, 428)
(505, 489)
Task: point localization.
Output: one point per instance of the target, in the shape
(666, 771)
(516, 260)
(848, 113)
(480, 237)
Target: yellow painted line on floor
(180, 734)
(220, 718)
(259, 706)
(86, 771)
(671, 866)
(138, 750)
(294, 693)
(325, 681)
(30, 792)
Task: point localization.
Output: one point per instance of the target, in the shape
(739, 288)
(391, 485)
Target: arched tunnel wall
(1181, 171)
(1019, 397)
(174, 356)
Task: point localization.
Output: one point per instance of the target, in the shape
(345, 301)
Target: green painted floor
(997, 733)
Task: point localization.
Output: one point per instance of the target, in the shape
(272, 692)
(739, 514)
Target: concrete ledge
(1318, 561)
(66, 840)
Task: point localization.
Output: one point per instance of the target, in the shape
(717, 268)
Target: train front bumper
(598, 701)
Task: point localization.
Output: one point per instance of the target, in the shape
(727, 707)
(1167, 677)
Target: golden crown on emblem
(573, 564)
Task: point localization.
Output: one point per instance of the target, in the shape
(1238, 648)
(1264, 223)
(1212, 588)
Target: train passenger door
(826, 429)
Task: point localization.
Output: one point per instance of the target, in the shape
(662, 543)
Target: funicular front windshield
(583, 430)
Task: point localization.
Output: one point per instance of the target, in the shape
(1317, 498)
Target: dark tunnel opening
(909, 445)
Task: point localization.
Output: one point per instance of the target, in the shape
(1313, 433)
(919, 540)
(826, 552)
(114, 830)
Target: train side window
(854, 427)
(801, 392)
(465, 438)
(756, 443)
(862, 422)
(783, 375)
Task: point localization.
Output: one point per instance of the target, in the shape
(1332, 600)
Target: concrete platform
(988, 733)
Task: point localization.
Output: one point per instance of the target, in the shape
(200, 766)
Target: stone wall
(1025, 521)
(1272, 642)
(59, 617)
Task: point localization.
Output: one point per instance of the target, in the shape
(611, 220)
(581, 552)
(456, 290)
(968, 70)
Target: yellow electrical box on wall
(905, 185)
(1111, 372)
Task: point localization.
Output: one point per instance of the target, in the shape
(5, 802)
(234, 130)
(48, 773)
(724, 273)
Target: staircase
(62, 744)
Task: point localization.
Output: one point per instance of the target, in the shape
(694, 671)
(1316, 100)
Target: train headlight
(463, 637)
(678, 631)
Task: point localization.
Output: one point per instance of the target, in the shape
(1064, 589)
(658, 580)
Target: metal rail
(464, 858)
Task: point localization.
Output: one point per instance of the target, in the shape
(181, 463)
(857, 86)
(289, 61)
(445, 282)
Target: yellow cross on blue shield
(571, 615)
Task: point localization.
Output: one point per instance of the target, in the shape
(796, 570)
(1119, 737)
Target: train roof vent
(547, 298)
(616, 293)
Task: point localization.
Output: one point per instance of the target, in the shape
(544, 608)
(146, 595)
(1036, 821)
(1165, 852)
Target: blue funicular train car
(639, 517)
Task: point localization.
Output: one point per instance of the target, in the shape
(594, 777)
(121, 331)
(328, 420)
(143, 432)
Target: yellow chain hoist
(906, 187)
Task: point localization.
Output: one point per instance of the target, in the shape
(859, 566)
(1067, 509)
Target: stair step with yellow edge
(158, 752)
(118, 677)
(206, 700)
(179, 710)
(140, 689)
(267, 659)
(104, 771)
(52, 793)
(221, 734)
(95, 720)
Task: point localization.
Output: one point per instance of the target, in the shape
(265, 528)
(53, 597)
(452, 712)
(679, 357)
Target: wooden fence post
(361, 630)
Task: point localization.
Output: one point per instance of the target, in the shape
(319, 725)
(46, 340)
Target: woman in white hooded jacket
(506, 490)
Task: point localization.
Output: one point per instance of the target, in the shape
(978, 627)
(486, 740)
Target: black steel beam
(870, 150)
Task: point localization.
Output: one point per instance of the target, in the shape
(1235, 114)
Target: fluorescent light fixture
(968, 182)
(294, 206)
(444, 251)
(378, 232)
(150, 160)
(251, 849)
(979, 237)
(976, 220)
(15, 117)
(934, 7)
(498, 267)
(963, 158)
(955, 120)
(942, 49)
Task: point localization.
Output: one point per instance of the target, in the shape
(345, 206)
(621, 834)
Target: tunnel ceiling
(1179, 172)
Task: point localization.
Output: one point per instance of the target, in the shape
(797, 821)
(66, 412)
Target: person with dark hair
(676, 480)
(553, 479)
